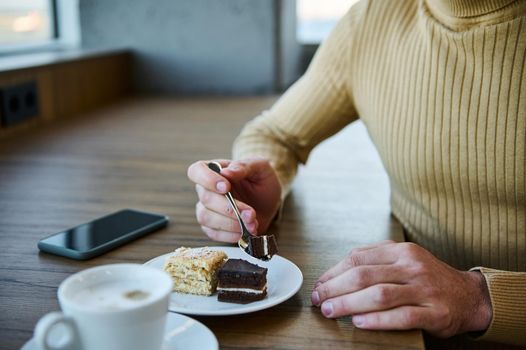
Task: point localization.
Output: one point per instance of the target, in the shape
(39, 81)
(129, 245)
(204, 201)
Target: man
(441, 87)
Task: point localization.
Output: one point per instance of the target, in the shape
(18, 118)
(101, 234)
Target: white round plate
(181, 332)
(284, 279)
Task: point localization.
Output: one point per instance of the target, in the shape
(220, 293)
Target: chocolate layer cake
(262, 247)
(195, 270)
(241, 282)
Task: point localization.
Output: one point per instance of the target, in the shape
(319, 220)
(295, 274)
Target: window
(38, 25)
(316, 18)
(24, 22)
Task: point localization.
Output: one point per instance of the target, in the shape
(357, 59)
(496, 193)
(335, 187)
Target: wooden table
(135, 154)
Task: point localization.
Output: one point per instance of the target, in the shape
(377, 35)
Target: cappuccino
(115, 295)
(110, 307)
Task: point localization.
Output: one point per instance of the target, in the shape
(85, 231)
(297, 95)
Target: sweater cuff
(507, 291)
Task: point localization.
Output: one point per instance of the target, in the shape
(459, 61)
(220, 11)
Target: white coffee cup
(119, 306)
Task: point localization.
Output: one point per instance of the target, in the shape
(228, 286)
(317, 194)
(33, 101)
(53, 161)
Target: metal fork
(245, 234)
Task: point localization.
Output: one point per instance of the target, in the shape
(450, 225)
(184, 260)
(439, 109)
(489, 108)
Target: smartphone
(103, 234)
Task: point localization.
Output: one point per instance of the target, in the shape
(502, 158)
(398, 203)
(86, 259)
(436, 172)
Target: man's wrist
(481, 314)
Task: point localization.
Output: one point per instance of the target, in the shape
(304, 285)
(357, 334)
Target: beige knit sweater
(441, 87)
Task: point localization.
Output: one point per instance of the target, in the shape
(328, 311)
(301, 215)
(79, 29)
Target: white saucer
(283, 276)
(181, 332)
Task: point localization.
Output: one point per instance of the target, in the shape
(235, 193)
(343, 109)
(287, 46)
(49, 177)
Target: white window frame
(314, 42)
(67, 22)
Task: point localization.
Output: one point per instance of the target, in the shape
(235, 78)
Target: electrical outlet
(18, 103)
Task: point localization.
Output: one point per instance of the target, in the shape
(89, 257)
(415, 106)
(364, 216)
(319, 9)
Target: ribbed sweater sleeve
(318, 105)
(507, 291)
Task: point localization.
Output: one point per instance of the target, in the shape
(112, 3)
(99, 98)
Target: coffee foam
(115, 295)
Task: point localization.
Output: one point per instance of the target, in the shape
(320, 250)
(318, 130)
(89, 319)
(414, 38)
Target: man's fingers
(216, 221)
(358, 278)
(253, 169)
(218, 203)
(383, 296)
(374, 245)
(221, 236)
(199, 173)
(400, 318)
(379, 255)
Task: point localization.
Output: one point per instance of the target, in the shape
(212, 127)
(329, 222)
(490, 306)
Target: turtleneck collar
(467, 8)
(463, 14)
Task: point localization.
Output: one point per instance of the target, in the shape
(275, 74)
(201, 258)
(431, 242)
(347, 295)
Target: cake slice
(241, 282)
(194, 270)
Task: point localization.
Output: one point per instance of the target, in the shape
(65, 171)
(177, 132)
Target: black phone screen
(93, 234)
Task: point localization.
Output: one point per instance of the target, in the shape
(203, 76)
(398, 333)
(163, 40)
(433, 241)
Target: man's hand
(394, 286)
(254, 185)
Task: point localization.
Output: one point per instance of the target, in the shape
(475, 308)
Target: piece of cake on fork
(194, 270)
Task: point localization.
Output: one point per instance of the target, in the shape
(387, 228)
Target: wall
(192, 46)
(67, 84)
(290, 50)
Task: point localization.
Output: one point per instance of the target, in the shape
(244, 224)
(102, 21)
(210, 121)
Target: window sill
(10, 63)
